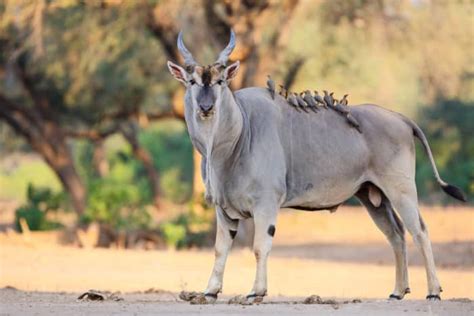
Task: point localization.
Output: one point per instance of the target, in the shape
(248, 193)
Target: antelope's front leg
(226, 231)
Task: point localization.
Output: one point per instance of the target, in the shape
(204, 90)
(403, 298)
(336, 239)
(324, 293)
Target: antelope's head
(205, 85)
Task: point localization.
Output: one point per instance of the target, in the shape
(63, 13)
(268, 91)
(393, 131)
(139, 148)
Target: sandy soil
(15, 302)
(340, 255)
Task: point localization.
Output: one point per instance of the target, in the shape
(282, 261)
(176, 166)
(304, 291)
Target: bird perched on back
(318, 99)
(271, 86)
(328, 99)
(293, 101)
(308, 98)
(340, 108)
(301, 103)
(283, 92)
(352, 121)
(344, 100)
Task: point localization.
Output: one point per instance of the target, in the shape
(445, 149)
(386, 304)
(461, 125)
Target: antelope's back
(321, 150)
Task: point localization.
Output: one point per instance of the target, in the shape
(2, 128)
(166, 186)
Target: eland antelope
(260, 155)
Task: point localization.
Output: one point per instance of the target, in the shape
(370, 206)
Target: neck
(227, 130)
(221, 140)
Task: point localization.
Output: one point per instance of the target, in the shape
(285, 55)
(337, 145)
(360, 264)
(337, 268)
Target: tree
(89, 84)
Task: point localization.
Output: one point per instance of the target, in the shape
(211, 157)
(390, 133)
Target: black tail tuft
(455, 192)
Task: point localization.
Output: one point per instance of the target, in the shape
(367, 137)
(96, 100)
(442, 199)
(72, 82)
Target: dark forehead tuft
(206, 76)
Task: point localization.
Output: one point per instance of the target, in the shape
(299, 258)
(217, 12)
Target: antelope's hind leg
(405, 201)
(389, 223)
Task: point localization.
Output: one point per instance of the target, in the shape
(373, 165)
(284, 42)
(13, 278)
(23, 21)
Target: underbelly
(325, 196)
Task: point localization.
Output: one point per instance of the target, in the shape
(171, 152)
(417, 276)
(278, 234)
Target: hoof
(203, 299)
(399, 297)
(197, 297)
(246, 300)
(433, 297)
(394, 297)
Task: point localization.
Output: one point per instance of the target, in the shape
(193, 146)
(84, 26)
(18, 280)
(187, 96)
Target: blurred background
(93, 143)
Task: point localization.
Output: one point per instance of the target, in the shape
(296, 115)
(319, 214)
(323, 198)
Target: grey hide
(260, 155)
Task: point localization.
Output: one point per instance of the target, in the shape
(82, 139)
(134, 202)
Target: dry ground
(340, 255)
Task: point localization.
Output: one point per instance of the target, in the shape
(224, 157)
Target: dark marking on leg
(271, 230)
(422, 223)
(433, 297)
(232, 233)
(396, 222)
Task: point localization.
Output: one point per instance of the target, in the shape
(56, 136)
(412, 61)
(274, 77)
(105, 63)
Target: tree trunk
(55, 150)
(140, 153)
(47, 139)
(99, 159)
(73, 185)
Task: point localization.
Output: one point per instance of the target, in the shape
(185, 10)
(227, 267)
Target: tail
(449, 189)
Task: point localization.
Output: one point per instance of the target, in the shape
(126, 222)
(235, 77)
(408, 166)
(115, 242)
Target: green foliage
(171, 149)
(120, 198)
(117, 204)
(40, 201)
(188, 230)
(449, 129)
(86, 60)
(174, 234)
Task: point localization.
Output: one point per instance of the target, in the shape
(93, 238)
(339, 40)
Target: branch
(95, 134)
(166, 35)
(92, 134)
(159, 116)
(40, 101)
(18, 117)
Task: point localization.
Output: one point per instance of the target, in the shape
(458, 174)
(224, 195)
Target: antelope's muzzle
(206, 100)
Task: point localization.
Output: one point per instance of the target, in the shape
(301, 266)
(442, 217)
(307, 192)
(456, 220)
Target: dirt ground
(340, 255)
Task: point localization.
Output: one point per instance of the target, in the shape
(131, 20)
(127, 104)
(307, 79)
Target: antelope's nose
(206, 107)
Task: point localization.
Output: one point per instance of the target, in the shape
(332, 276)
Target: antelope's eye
(192, 81)
(220, 81)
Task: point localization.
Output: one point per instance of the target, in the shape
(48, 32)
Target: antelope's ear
(177, 71)
(231, 71)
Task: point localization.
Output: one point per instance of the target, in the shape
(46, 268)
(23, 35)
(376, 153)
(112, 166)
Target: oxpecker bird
(283, 92)
(318, 99)
(340, 108)
(293, 101)
(328, 99)
(271, 86)
(352, 121)
(301, 103)
(344, 100)
(308, 98)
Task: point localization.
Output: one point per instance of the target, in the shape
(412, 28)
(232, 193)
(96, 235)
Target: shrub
(40, 201)
(117, 204)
